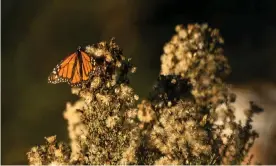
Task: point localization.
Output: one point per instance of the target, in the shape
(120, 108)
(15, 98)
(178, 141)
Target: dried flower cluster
(195, 53)
(187, 119)
(52, 153)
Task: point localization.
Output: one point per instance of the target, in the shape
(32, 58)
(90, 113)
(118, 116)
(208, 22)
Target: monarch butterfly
(75, 69)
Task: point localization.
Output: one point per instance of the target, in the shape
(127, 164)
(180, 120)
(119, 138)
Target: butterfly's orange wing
(86, 66)
(74, 69)
(76, 76)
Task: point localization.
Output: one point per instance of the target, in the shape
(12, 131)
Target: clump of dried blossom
(101, 125)
(187, 119)
(199, 127)
(50, 153)
(195, 53)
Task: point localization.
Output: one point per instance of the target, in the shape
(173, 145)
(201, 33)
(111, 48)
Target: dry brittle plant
(186, 119)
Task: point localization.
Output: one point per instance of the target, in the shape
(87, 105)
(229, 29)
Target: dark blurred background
(36, 35)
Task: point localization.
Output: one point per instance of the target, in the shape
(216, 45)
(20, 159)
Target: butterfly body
(75, 69)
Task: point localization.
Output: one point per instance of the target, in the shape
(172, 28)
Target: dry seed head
(51, 139)
(133, 69)
(145, 112)
(104, 99)
(111, 121)
(96, 82)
